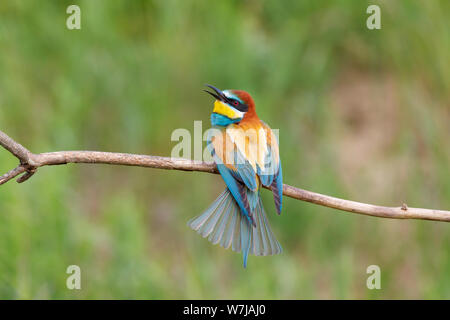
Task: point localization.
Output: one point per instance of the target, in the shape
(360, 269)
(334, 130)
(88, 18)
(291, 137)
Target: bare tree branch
(30, 162)
(12, 174)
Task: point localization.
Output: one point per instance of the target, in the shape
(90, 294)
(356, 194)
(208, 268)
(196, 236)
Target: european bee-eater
(245, 150)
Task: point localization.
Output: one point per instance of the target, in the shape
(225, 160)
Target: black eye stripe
(238, 105)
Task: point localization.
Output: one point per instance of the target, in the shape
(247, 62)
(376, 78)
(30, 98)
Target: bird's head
(230, 106)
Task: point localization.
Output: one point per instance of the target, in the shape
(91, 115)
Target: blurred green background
(363, 114)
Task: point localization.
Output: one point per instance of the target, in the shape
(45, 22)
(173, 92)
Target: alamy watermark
(374, 280)
(374, 20)
(74, 280)
(74, 20)
(239, 145)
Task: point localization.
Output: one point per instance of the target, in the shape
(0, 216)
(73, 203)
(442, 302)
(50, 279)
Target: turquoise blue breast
(221, 120)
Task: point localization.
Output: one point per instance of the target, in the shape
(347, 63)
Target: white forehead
(229, 94)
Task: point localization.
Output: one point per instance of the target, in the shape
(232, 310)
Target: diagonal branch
(12, 174)
(30, 162)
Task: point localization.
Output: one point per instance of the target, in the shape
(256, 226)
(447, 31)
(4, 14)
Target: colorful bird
(245, 150)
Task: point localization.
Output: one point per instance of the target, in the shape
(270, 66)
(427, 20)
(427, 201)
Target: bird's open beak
(218, 94)
(221, 105)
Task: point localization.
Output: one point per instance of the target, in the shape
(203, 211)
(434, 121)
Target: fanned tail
(224, 223)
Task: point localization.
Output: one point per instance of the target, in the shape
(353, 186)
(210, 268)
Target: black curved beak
(219, 95)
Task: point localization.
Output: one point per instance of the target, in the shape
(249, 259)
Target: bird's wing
(277, 190)
(270, 172)
(234, 169)
(229, 147)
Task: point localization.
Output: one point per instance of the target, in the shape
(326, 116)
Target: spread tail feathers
(224, 223)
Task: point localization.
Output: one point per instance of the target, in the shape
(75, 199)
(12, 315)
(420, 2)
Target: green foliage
(363, 114)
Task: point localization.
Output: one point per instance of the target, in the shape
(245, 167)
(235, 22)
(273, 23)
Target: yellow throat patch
(226, 110)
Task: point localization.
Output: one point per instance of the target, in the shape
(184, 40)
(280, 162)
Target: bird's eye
(235, 102)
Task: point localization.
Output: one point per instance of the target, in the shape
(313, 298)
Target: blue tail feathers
(224, 223)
